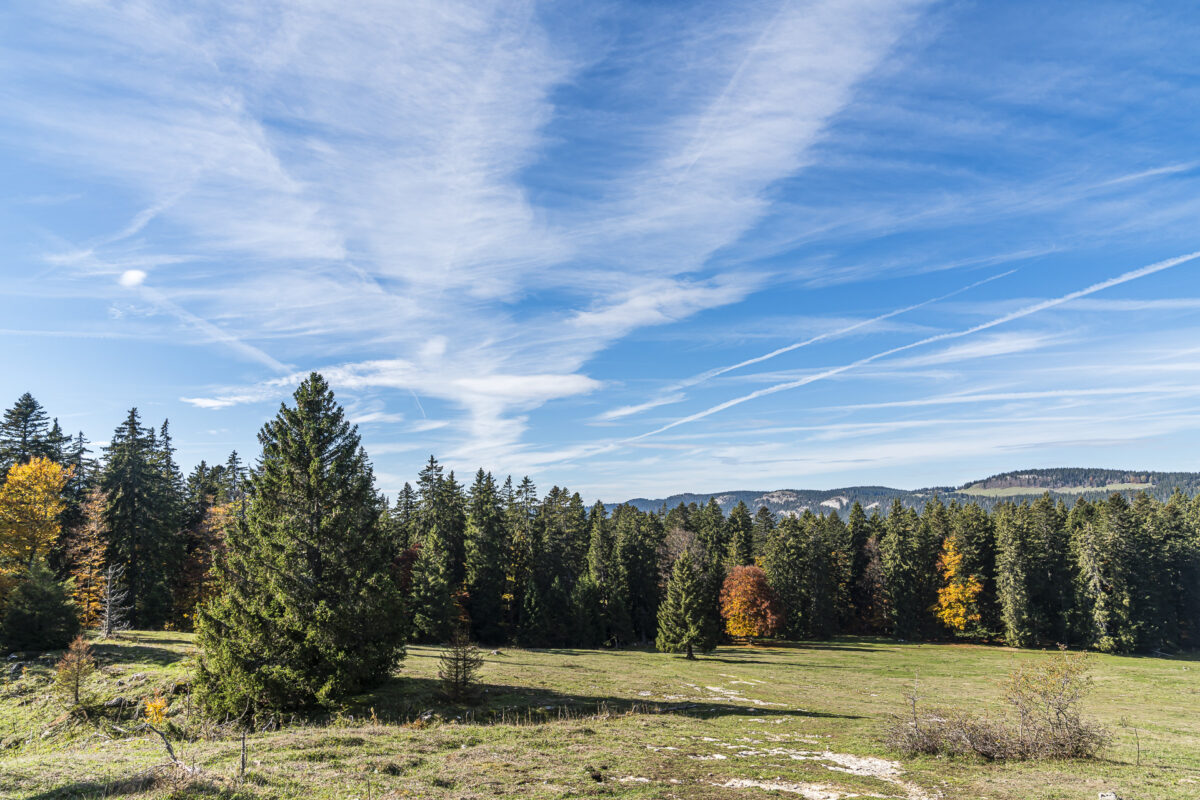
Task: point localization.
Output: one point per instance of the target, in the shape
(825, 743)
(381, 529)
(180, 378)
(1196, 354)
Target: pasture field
(786, 720)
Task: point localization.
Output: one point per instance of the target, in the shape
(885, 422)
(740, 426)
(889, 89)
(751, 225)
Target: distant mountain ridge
(1068, 483)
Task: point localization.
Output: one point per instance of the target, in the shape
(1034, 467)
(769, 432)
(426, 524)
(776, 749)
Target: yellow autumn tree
(197, 581)
(89, 542)
(30, 504)
(957, 604)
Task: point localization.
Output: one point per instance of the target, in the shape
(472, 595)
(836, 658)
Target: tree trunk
(691, 656)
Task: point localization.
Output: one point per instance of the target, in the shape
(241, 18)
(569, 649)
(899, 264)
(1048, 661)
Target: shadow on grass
(407, 699)
(134, 785)
(126, 653)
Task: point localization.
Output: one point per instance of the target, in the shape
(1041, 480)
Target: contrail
(671, 392)
(212, 331)
(941, 337)
(712, 373)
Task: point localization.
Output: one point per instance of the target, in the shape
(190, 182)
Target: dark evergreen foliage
(308, 611)
(39, 614)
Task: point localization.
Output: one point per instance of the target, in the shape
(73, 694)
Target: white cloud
(132, 277)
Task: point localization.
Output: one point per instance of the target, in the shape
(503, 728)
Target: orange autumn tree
(86, 552)
(958, 600)
(749, 605)
(30, 504)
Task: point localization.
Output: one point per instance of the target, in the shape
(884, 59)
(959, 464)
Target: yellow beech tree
(957, 604)
(30, 504)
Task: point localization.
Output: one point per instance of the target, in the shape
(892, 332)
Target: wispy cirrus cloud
(474, 215)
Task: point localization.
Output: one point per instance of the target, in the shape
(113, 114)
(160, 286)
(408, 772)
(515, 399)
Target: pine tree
(635, 581)
(485, 549)
(975, 538)
(308, 612)
(233, 481)
(683, 623)
(608, 578)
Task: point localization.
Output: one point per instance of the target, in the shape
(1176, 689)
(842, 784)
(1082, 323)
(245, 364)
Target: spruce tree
(39, 614)
(741, 536)
(1016, 562)
(25, 433)
(404, 517)
(786, 565)
(142, 519)
(900, 555)
(764, 523)
(683, 623)
(431, 597)
(308, 612)
(485, 548)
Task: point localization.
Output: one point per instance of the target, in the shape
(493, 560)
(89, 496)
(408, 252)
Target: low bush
(1046, 721)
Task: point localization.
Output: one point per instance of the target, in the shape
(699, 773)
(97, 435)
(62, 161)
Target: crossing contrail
(671, 394)
(941, 337)
(712, 373)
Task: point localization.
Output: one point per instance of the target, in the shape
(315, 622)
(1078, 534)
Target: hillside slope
(1067, 482)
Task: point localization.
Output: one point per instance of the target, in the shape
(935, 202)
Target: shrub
(40, 614)
(72, 672)
(459, 667)
(1046, 698)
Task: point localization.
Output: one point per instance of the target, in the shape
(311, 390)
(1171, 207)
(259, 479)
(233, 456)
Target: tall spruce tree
(25, 433)
(431, 597)
(903, 578)
(486, 543)
(764, 523)
(142, 519)
(1017, 562)
(683, 618)
(308, 611)
(741, 536)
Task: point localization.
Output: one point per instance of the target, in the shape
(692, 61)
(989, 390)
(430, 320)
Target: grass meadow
(784, 720)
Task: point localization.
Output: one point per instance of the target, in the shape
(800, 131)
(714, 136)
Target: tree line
(305, 583)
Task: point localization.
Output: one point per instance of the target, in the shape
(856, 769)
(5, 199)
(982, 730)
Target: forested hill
(1065, 482)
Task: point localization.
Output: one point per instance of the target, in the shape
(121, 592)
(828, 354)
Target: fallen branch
(170, 750)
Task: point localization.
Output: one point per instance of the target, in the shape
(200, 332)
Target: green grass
(578, 723)
(1026, 491)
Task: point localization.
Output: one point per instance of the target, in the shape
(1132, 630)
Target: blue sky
(631, 248)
